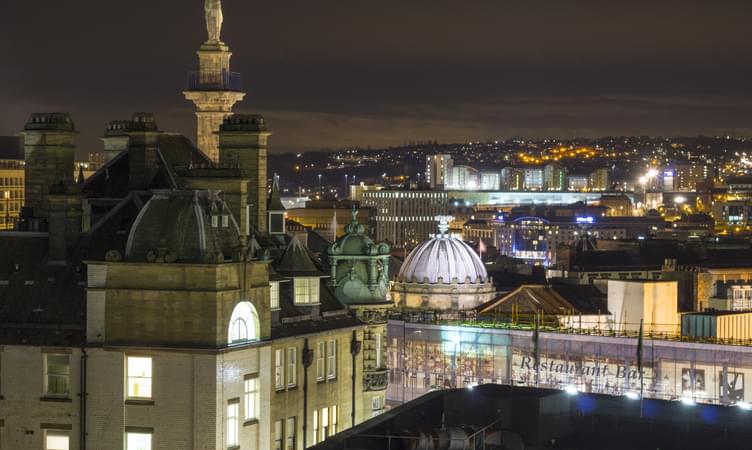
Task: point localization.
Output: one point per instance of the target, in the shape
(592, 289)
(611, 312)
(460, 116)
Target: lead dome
(443, 273)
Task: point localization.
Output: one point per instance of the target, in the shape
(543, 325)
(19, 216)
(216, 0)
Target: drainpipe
(307, 361)
(355, 346)
(82, 400)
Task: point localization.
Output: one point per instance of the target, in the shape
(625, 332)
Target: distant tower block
(214, 89)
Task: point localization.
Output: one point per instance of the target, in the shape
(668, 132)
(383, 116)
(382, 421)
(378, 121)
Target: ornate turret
(359, 267)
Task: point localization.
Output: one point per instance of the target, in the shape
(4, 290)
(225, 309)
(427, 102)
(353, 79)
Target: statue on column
(213, 11)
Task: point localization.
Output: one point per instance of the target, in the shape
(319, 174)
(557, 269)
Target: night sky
(333, 73)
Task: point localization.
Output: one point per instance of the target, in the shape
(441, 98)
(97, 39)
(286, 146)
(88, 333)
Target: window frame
(315, 426)
(129, 377)
(290, 433)
(252, 397)
(232, 421)
(57, 433)
(292, 367)
(274, 295)
(279, 435)
(321, 361)
(280, 358)
(62, 376)
(331, 359)
(139, 433)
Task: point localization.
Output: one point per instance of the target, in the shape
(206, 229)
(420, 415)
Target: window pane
(232, 424)
(274, 296)
(138, 441)
(278, 361)
(58, 374)
(278, 435)
(251, 398)
(320, 358)
(56, 440)
(290, 434)
(291, 367)
(139, 377)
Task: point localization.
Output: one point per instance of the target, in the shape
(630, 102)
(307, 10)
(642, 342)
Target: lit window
(379, 355)
(324, 423)
(56, 440)
(57, 376)
(279, 360)
(238, 331)
(251, 398)
(274, 295)
(301, 291)
(137, 441)
(232, 423)
(376, 403)
(243, 324)
(139, 377)
(320, 360)
(290, 434)
(278, 435)
(331, 359)
(315, 426)
(306, 290)
(334, 419)
(291, 367)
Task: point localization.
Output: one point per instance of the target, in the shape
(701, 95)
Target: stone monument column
(214, 89)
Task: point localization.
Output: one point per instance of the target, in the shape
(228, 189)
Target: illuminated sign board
(588, 219)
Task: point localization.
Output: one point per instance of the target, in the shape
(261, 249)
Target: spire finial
(444, 224)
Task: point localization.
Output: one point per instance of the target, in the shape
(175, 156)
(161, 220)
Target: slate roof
(40, 303)
(173, 153)
(552, 300)
(297, 261)
(11, 147)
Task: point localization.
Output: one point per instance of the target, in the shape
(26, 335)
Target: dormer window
(306, 290)
(274, 294)
(225, 221)
(215, 221)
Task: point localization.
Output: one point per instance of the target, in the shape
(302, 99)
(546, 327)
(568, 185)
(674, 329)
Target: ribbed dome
(443, 257)
(183, 226)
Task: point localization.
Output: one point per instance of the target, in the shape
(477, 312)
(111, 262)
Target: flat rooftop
(504, 417)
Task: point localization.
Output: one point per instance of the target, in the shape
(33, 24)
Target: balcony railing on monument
(214, 80)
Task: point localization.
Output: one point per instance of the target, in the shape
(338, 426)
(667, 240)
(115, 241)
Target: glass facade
(425, 357)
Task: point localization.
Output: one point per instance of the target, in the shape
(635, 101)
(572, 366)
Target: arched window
(238, 331)
(244, 324)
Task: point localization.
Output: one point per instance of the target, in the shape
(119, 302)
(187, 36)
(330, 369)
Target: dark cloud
(342, 72)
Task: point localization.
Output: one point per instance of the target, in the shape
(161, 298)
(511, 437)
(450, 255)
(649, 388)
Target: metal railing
(526, 322)
(213, 80)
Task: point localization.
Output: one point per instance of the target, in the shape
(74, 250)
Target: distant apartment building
(463, 178)
(512, 179)
(405, 218)
(330, 218)
(533, 178)
(11, 181)
(686, 176)
(437, 170)
(357, 190)
(618, 204)
(490, 181)
(599, 180)
(577, 182)
(554, 178)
